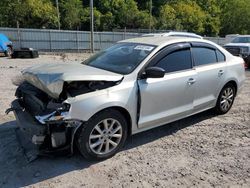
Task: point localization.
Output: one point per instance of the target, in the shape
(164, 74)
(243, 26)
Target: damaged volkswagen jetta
(133, 86)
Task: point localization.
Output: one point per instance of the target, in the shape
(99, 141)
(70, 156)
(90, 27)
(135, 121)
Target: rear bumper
(247, 61)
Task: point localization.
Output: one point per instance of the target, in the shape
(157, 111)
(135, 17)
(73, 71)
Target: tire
(8, 52)
(97, 141)
(225, 99)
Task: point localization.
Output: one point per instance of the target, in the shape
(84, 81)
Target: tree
(40, 13)
(29, 13)
(71, 11)
(182, 15)
(213, 11)
(235, 17)
(85, 18)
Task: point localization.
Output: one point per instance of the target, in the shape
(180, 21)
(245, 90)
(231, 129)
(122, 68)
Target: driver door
(169, 98)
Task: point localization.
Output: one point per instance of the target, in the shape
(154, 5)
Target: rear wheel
(103, 135)
(225, 99)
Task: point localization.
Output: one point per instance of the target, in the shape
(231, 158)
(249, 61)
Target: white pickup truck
(240, 46)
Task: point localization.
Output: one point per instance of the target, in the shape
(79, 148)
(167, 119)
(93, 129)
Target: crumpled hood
(51, 77)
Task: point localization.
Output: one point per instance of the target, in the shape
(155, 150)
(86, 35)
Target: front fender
(85, 106)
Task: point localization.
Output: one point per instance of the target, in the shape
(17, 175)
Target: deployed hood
(51, 77)
(238, 44)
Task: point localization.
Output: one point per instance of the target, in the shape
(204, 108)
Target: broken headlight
(60, 113)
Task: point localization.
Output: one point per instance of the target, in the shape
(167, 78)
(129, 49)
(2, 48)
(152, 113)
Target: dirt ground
(201, 151)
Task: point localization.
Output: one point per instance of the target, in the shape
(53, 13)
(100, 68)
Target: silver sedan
(136, 85)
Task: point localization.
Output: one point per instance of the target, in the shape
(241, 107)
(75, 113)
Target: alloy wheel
(105, 136)
(227, 97)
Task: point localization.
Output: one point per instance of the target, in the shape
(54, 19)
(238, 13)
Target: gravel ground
(202, 151)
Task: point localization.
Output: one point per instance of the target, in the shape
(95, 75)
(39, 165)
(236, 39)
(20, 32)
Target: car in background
(174, 34)
(240, 46)
(135, 85)
(6, 45)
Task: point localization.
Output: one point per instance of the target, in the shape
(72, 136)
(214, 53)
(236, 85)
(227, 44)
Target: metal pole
(77, 41)
(18, 34)
(50, 42)
(91, 26)
(58, 15)
(150, 20)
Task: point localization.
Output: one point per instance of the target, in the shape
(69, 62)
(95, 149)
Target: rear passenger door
(209, 64)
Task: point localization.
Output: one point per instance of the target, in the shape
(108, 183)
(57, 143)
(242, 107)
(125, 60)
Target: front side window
(176, 61)
(203, 56)
(121, 58)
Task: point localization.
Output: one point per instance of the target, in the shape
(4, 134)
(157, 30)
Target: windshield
(121, 58)
(241, 40)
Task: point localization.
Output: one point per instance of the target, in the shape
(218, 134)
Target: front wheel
(103, 135)
(225, 99)
(8, 52)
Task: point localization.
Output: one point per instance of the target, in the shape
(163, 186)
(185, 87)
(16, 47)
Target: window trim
(164, 52)
(223, 56)
(209, 46)
(195, 65)
(191, 60)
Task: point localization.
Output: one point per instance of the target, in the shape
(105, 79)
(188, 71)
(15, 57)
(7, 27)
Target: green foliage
(182, 16)
(235, 17)
(86, 18)
(206, 17)
(29, 13)
(213, 12)
(71, 11)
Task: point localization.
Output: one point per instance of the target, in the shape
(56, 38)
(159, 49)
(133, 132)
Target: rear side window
(204, 56)
(176, 61)
(220, 56)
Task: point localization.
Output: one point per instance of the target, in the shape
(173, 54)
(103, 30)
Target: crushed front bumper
(38, 138)
(25, 121)
(28, 130)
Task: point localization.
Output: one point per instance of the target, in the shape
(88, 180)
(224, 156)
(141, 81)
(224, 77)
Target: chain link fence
(66, 41)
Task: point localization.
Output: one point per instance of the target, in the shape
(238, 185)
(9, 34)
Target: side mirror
(154, 72)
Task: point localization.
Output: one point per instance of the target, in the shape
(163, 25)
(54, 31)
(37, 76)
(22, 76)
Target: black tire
(83, 139)
(219, 108)
(8, 52)
(248, 63)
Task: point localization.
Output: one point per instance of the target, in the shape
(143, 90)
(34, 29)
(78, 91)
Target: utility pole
(150, 20)
(91, 26)
(58, 15)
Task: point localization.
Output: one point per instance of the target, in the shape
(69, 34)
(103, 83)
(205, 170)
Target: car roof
(174, 33)
(163, 40)
(240, 36)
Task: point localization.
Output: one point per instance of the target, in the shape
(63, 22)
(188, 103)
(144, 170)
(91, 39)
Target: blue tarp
(4, 42)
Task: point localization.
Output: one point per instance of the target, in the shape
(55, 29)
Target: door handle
(191, 81)
(221, 72)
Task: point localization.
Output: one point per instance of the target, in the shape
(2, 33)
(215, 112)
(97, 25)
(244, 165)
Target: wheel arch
(234, 83)
(122, 110)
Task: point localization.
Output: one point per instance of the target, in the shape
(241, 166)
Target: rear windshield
(121, 58)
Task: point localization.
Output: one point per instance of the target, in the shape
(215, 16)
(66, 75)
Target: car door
(169, 98)
(210, 66)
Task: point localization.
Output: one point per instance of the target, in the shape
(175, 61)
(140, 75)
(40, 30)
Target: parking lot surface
(202, 150)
